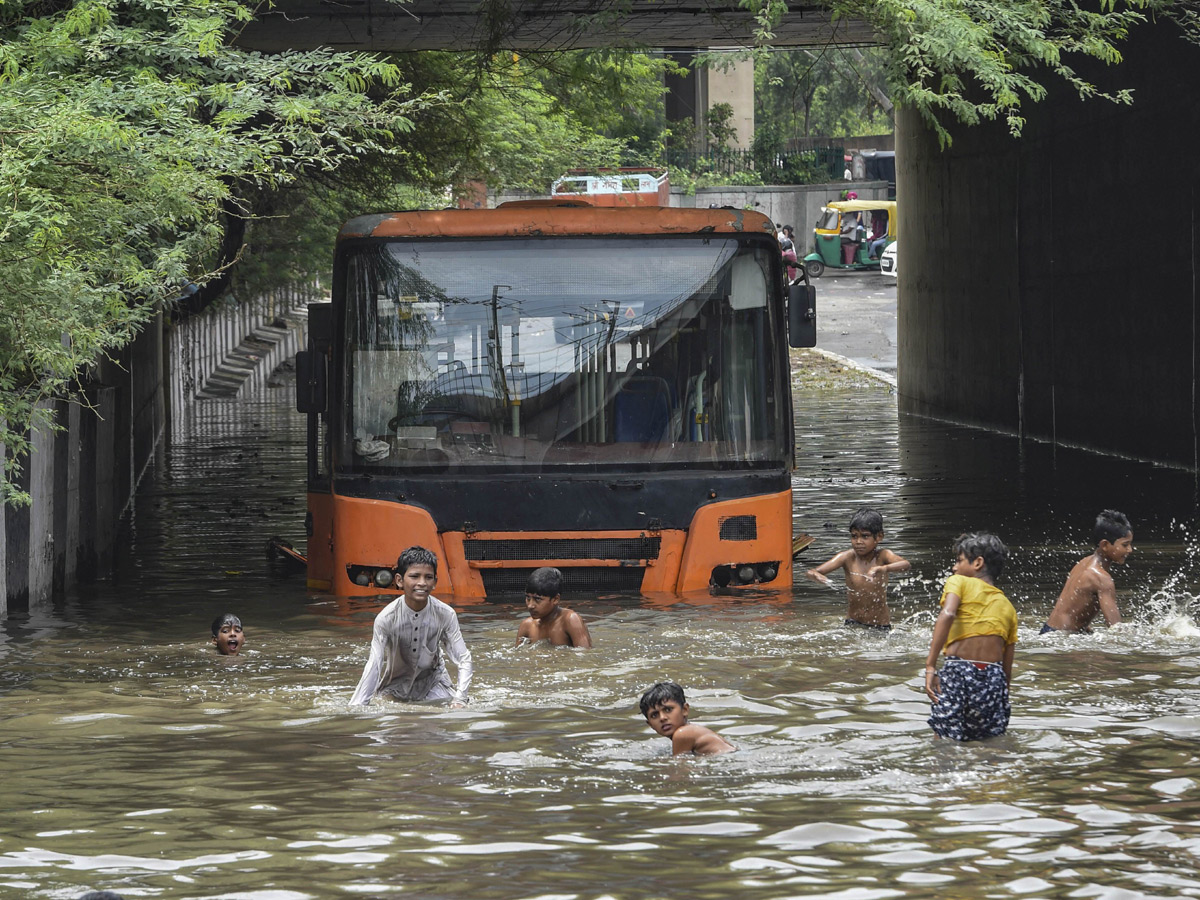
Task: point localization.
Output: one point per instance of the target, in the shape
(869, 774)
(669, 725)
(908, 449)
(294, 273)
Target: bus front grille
(509, 584)
(738, 528)
(623, 548)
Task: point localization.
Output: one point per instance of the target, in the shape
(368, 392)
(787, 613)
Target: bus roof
(548, 218)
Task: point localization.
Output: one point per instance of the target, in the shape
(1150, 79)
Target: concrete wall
(83, 478)
(1048, 285)
(196, 347)
(798, 205)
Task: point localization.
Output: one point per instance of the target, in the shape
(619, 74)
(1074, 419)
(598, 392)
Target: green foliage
(830, 92)
(507, 122)
(721, 132)
(975, 60)
(125, 128)
(616, 93)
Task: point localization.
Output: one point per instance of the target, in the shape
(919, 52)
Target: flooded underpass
(137, 760)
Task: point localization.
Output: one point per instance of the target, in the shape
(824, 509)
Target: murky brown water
(136, 760)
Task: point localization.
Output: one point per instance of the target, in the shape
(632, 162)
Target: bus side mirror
(320, 326)
(311, 393)
(802, 315)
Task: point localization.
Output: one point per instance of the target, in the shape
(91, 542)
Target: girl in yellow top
(977, 630)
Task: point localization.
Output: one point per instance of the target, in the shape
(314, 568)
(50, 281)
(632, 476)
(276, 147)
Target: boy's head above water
(866, 531)
(1113, 535)
(227, 634)
(543, 590)
(980, 545)
(545, 582)
(416, 572)
(664, 705)
(868, 520)
(416, 556)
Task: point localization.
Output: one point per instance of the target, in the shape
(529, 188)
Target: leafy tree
(509, 122)
(130, 132)
(831, 91)
(721, 132)
(975, 60)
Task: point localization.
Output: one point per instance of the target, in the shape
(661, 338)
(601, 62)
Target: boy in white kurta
(410, 636)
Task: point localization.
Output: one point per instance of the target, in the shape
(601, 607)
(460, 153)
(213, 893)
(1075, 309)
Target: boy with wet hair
(547, 620)
(666, 711)
(1090, 588)
(409, 636)
(977, 631)
(866, 566)
(227, 634)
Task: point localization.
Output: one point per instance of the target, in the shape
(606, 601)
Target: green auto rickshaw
(851, 234)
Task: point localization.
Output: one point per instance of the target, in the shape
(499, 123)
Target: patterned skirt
(973, 701)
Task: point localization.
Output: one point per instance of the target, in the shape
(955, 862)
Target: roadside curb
(848, 363)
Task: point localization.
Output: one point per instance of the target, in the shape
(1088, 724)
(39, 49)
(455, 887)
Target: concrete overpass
(1048, 284)
(389, 26)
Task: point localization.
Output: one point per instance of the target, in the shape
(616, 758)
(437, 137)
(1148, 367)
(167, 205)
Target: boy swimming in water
(866, 566)
(547, 620)
(1089, 588)
(666, 711)
(977, 631)
(227, 634)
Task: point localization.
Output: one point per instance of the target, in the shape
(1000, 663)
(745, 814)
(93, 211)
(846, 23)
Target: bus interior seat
(642, 409)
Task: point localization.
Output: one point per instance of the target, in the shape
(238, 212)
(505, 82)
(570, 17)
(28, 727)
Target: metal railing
(810, 166)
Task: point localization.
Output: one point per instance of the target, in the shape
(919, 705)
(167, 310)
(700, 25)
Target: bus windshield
(552, 353)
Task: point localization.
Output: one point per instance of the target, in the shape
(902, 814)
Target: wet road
(134, 759)
(856, 317)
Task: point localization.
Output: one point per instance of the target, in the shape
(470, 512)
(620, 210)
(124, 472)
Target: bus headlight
(384, 578)
(740, 574)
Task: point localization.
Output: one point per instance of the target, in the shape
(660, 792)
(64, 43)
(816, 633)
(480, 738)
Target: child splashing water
(866, 566)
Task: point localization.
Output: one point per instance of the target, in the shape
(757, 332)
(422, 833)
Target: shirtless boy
(1089, 588)
(227, 634)
(547, 620)
(666, 711)
(866, 566)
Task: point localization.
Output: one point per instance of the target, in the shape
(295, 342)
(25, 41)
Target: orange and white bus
(548, 383)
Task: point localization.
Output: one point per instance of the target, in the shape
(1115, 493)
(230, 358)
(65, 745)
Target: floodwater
(134, 759)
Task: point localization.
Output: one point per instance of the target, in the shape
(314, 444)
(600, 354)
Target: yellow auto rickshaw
(851, 234)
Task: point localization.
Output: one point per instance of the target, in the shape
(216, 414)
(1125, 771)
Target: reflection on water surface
(137, 760)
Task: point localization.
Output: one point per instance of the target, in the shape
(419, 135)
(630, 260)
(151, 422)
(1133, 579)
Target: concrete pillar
(3, 546)
(107, 478)
(735, 85)
(692, 95)
(41, 516)
(146, 395)
(71, 506)
(60, 494)
(86, 550)
(16, 529)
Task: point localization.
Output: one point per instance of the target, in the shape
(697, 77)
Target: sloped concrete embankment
(83, 477)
